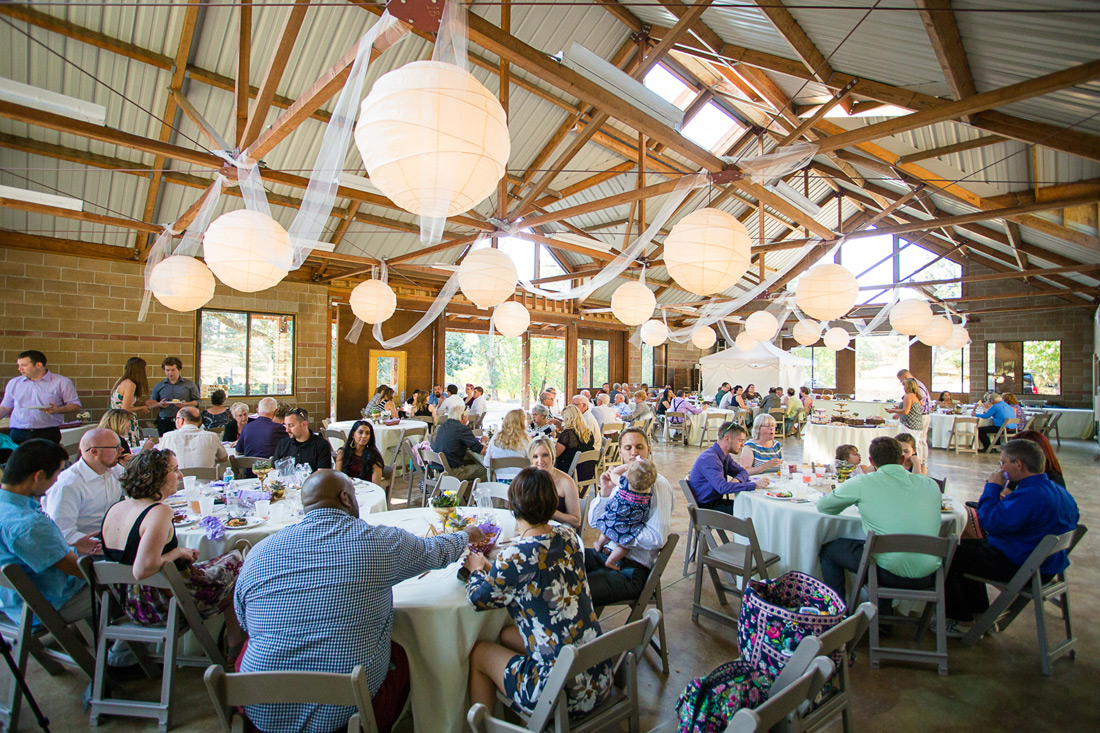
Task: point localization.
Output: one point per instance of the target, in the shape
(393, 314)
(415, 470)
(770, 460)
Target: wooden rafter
(943, 150)
(244, 61)
(274, 74)
(939, 22)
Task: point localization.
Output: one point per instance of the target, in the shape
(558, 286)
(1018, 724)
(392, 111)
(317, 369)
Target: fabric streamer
(778, 163)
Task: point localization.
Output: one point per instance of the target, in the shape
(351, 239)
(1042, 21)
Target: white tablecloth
(939, 433)
(856, 408)
(385, 436)
(1076, 424)
(696, 423)
(820, 441)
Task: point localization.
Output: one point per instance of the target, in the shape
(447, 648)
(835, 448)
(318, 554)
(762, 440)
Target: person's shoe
(957, 629)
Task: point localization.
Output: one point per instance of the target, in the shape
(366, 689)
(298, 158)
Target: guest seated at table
(282, 409)
(86, 490)
(848, 463)
(317, 596)
(1053, 467)
(1017, 408)
(520, 661)
(722, 392)
(217, 414)
(118, 421)
(807, 400)
(138, 531)
(547, 399)
(451, 400)
(680, 403)
(410, 401)
(732, 400)
(383, 402)
(1013, 523)
(261, 436)
(604, 412)
(945, 401)
(763, 453)
(642, 410)
(540, 422)
(750, 394)
(575, 437)
(436, 396)
(771, 402)
(715, 474)
(470, 396)
(995, 409)
(239, 412)
(479, 405)
(454, 439)
(891, 501)
(583, 405)
(616, 390)
(624, 408)
(795, 412)
(510, 442)
(421, 407)
(193, 446)
(302, 444)
(663, 401)
(360, 457)
(911, 462)
(541, 453)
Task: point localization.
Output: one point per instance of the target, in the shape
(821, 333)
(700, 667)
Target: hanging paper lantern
(633, 303)
(937, 332)
(433, 138)
(911, 316)
(837, 338)
(826, 292)
(654, 332)
(807, 333)
(761, 326)
(487, 277)
(744, 342)
(240, 248)
(960, 337)
(373, 301)
(704, 337)
(511, 318)
(707, 251)
(182, 283)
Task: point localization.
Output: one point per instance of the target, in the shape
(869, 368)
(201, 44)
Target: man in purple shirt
(715, 474)
(260, 437)
(37, 400)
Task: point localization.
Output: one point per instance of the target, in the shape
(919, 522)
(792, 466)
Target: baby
(628, 510)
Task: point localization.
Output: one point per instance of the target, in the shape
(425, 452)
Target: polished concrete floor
(996, 684)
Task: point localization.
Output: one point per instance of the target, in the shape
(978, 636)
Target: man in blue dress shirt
(996, 410)
(715, 474)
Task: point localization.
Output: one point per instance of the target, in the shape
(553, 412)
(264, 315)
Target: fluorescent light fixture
(45, 199)
(789, 192)
(622, 85)
(47, 101)
(359, 183)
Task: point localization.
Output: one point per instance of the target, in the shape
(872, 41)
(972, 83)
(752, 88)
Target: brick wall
(681, 360)
(82, 313)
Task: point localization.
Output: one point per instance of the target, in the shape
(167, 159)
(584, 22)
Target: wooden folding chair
(671, 428)
(609, 457)
(689, 550)
(1052, 427)
(202, 473)
(588, 456)
(498, 493)
(1008, 429)
(782, 703)
(964, 435)
(780, 416)
(711, 426)
(495, 464)
(840, 640)
(242, 465)
(336, 438)
(741, 560)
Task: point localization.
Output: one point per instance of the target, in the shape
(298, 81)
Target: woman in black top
(216, 415)
(239, 412)
(575, 437)
(664, 401)
(360, 458)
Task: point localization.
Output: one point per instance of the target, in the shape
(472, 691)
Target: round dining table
(696, 423)
(820, 441)
(386, 437)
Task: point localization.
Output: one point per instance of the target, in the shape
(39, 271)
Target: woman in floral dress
(541, 581)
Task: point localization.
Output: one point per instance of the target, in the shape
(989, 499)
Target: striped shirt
(760, 454)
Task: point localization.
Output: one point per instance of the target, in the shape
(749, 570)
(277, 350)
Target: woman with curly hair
(138, 531)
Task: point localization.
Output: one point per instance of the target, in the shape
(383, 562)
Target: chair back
(241, 464)
(588, 456)
(450, 483)
(202, 473)
(150, 433)
(336, 438)
(920, 544)
(780, 416)
(709, 523)
(495, 464)
(689, 495)
(218, 431)
(474, 421)
(498, 492)
(744, 418)
(432, 459)
(941, 482)
(782, 703)
(613, 428)
(325, 423)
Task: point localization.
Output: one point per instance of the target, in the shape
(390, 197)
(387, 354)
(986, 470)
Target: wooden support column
(846, 371)
(920, 362)
(525, 378)
(440, 344)
(570, 360)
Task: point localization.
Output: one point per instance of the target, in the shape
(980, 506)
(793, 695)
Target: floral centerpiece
(444, 503)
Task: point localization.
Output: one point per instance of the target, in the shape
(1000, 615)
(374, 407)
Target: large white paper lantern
(373, 301)
(654, 332)
(807, 332)
(704, 337)
(182, 283)
(744, 342)
(633, 303)
(761, 326)
(242, 249)
(836, 338)
(826, 292)
(511, 318)
(960, 337)
(487, 277)
(910, 316)
(707, 251)
(433, 138)
(937, 332)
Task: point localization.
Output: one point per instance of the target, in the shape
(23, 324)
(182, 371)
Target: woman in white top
(510, 442)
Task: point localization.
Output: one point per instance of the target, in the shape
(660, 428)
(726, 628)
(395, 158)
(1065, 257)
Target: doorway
(387, 367)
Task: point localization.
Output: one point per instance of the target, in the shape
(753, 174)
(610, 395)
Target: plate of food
(946, 506)
(243, 522)
(780, 495)
(184, 519)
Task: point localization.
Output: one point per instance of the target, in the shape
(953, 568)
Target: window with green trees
(245, 354)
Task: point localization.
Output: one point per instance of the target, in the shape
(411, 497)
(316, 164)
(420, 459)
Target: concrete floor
(996, 684)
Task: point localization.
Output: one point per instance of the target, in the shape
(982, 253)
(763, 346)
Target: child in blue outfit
(628, 510)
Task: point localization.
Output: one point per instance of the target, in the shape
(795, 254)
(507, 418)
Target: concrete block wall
(82, 313)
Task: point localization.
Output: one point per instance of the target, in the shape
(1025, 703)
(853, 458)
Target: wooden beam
(208, 130)
(939, 22)
(993, 276)
(36, 243)
(598, 255)
(292, 23)
(823, 110)
(944, 150)
(85, 216)
(1060, 231)
(244, 61)
(657, 189)
(1027, 196)
(803, 46)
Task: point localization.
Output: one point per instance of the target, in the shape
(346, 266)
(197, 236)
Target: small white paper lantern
(761, 326)
(511, 318)
(937, 332)
(182, 283)
(433, 138)
(633, 303)
(487, 277)
(826, 292)
(960, 337)
(373, 301)
(654, 332)
(910, 316)
(240, 248)
(837, 338)
(807, 332)
(707, 251)
(744, 342)
(704, 337)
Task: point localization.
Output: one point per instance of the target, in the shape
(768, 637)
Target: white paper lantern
(960, 337)
(373, 301)
(240, 248)
(511, 318)
(707, 251)
(826, 292)
(633, 303)
(433, 138)
(910, 316)
(654, 332)
(182, 283)
(487, 277)
(837, 338)
(807, 332)
(704, 337)
(761, 326)
(744, 342)
(937, 332)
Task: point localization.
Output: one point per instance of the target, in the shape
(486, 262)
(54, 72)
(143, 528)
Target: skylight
(666, 84)
(711, 128)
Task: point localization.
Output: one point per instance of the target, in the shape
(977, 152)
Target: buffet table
(856, 408)
(820, 441)
(1074, 423)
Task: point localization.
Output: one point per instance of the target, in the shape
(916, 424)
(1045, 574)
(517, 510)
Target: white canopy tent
(765, 366)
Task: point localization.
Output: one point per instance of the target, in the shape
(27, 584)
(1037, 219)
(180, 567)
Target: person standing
(132, 385)
(37, 400)
(172, 393)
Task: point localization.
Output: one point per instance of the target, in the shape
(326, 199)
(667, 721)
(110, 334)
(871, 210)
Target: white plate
(770, 495)
(36, 407)
(252, 522)
(191, 519)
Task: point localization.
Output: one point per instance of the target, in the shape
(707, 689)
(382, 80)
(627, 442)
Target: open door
(387, 367)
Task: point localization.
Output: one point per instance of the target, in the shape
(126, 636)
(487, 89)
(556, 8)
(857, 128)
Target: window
(919, 265)
(499, 370)
(524, 253)
(878, 361)
(822, 372)
(647, 364)
(950, 371)
(547, 366)
(667, 85)
(1024, 367)
(246, 354)
(592, 363)
(886, 259)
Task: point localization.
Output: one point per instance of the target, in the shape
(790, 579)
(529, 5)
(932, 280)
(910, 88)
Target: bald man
(318, 596)
(193, 446)
(85, 490)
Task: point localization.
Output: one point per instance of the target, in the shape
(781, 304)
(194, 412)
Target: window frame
(592, 362)
(813, 364)
(1022, 368)
(247, 349)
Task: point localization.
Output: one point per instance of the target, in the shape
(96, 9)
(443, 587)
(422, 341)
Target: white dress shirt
(479, 406)
(194, 447)
(604, 414)
(444, 408)
(646, 546)
(80, 499)
(594, 426)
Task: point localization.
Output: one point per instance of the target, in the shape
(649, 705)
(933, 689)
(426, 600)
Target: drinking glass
(206, 505)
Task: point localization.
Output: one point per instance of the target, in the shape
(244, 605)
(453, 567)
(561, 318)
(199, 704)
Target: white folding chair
(495, 464)
(782, 702)
(588, 456)
(741, 560)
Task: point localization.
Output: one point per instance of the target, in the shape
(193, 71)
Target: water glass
(263, 508)
(206, 505)
(233, 504)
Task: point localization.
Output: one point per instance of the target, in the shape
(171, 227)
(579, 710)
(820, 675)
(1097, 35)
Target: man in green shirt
(891, 501)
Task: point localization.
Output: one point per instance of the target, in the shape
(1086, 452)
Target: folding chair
(735, 558)
(495, 464)
(416, 470)
(1038, 422)
(941, 482)
(150, 433)
(711, 426)
(797, 426)
(782, 703)
(230, 692)
(689, 550)
(1016, 594)
(325, 423)
(336, 438)
(202, 473)
(964, 435)
(609, 457)
(940, 547)
(498, 493)
(1009, 426)
(744, 418)
(461, 488)
(672, 428)
(612, 429)
(474, 421)
(481, 720)
(26, 639)
(1052, 427)
(588, 456)
(779, 415)
(435, 467)
(651, 596)
(242, 465)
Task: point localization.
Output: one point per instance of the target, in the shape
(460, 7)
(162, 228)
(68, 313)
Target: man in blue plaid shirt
(317, 597)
